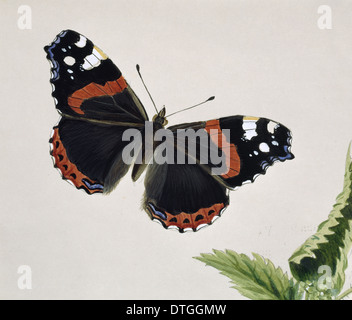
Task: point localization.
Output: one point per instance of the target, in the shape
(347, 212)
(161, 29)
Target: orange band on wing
(233, 162)
(68, 169)
(184, 220)
(95, 90)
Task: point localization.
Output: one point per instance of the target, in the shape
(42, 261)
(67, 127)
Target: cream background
(260, 58)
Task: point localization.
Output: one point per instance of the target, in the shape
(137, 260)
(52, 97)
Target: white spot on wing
(81, 42)
(156, 220)
(97, 54)
(249, 134)
(249, 126)
(70, 182)
(201, 226)
(86, 65)
(94, 59)
(256, 176)
(173, 227)
(70, 61)
(272, 126)
(215, 218)
(91, 62)
(263, 147)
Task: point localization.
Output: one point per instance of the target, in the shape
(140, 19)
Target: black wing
(248, 145)
(86, 83)
(191, 194)
(97, 105)
(183, 196)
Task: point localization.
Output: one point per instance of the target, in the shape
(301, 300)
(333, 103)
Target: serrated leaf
(330, 245)
(296, 291)
(257, 278)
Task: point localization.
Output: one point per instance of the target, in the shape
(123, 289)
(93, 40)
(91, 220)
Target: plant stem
(346, 293)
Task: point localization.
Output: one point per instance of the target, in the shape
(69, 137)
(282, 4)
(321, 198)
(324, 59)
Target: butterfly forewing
(87, 84)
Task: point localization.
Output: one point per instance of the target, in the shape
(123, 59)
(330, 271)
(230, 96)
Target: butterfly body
(189, 167)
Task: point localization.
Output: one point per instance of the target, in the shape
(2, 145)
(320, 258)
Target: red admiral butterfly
(97, 106)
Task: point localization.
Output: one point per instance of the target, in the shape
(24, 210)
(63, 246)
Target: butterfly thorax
(159, 119)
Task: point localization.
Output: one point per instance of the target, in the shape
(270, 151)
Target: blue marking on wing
(289, 155)
(93, 186)
(158, 213)
(264, 164)
(56, 67)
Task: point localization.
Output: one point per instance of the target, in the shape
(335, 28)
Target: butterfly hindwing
(183, 196)
(89, 155)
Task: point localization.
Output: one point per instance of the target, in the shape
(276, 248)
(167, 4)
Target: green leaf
(330, 245)
(257, 279)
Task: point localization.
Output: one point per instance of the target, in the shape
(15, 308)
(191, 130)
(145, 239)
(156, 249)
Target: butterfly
(97, 107)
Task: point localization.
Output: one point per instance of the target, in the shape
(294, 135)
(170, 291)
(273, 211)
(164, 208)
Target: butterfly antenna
(196, 105)
(139, 73)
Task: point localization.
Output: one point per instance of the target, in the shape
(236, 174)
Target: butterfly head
(160, 118)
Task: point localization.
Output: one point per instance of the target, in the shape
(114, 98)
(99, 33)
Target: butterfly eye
(165, 122)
